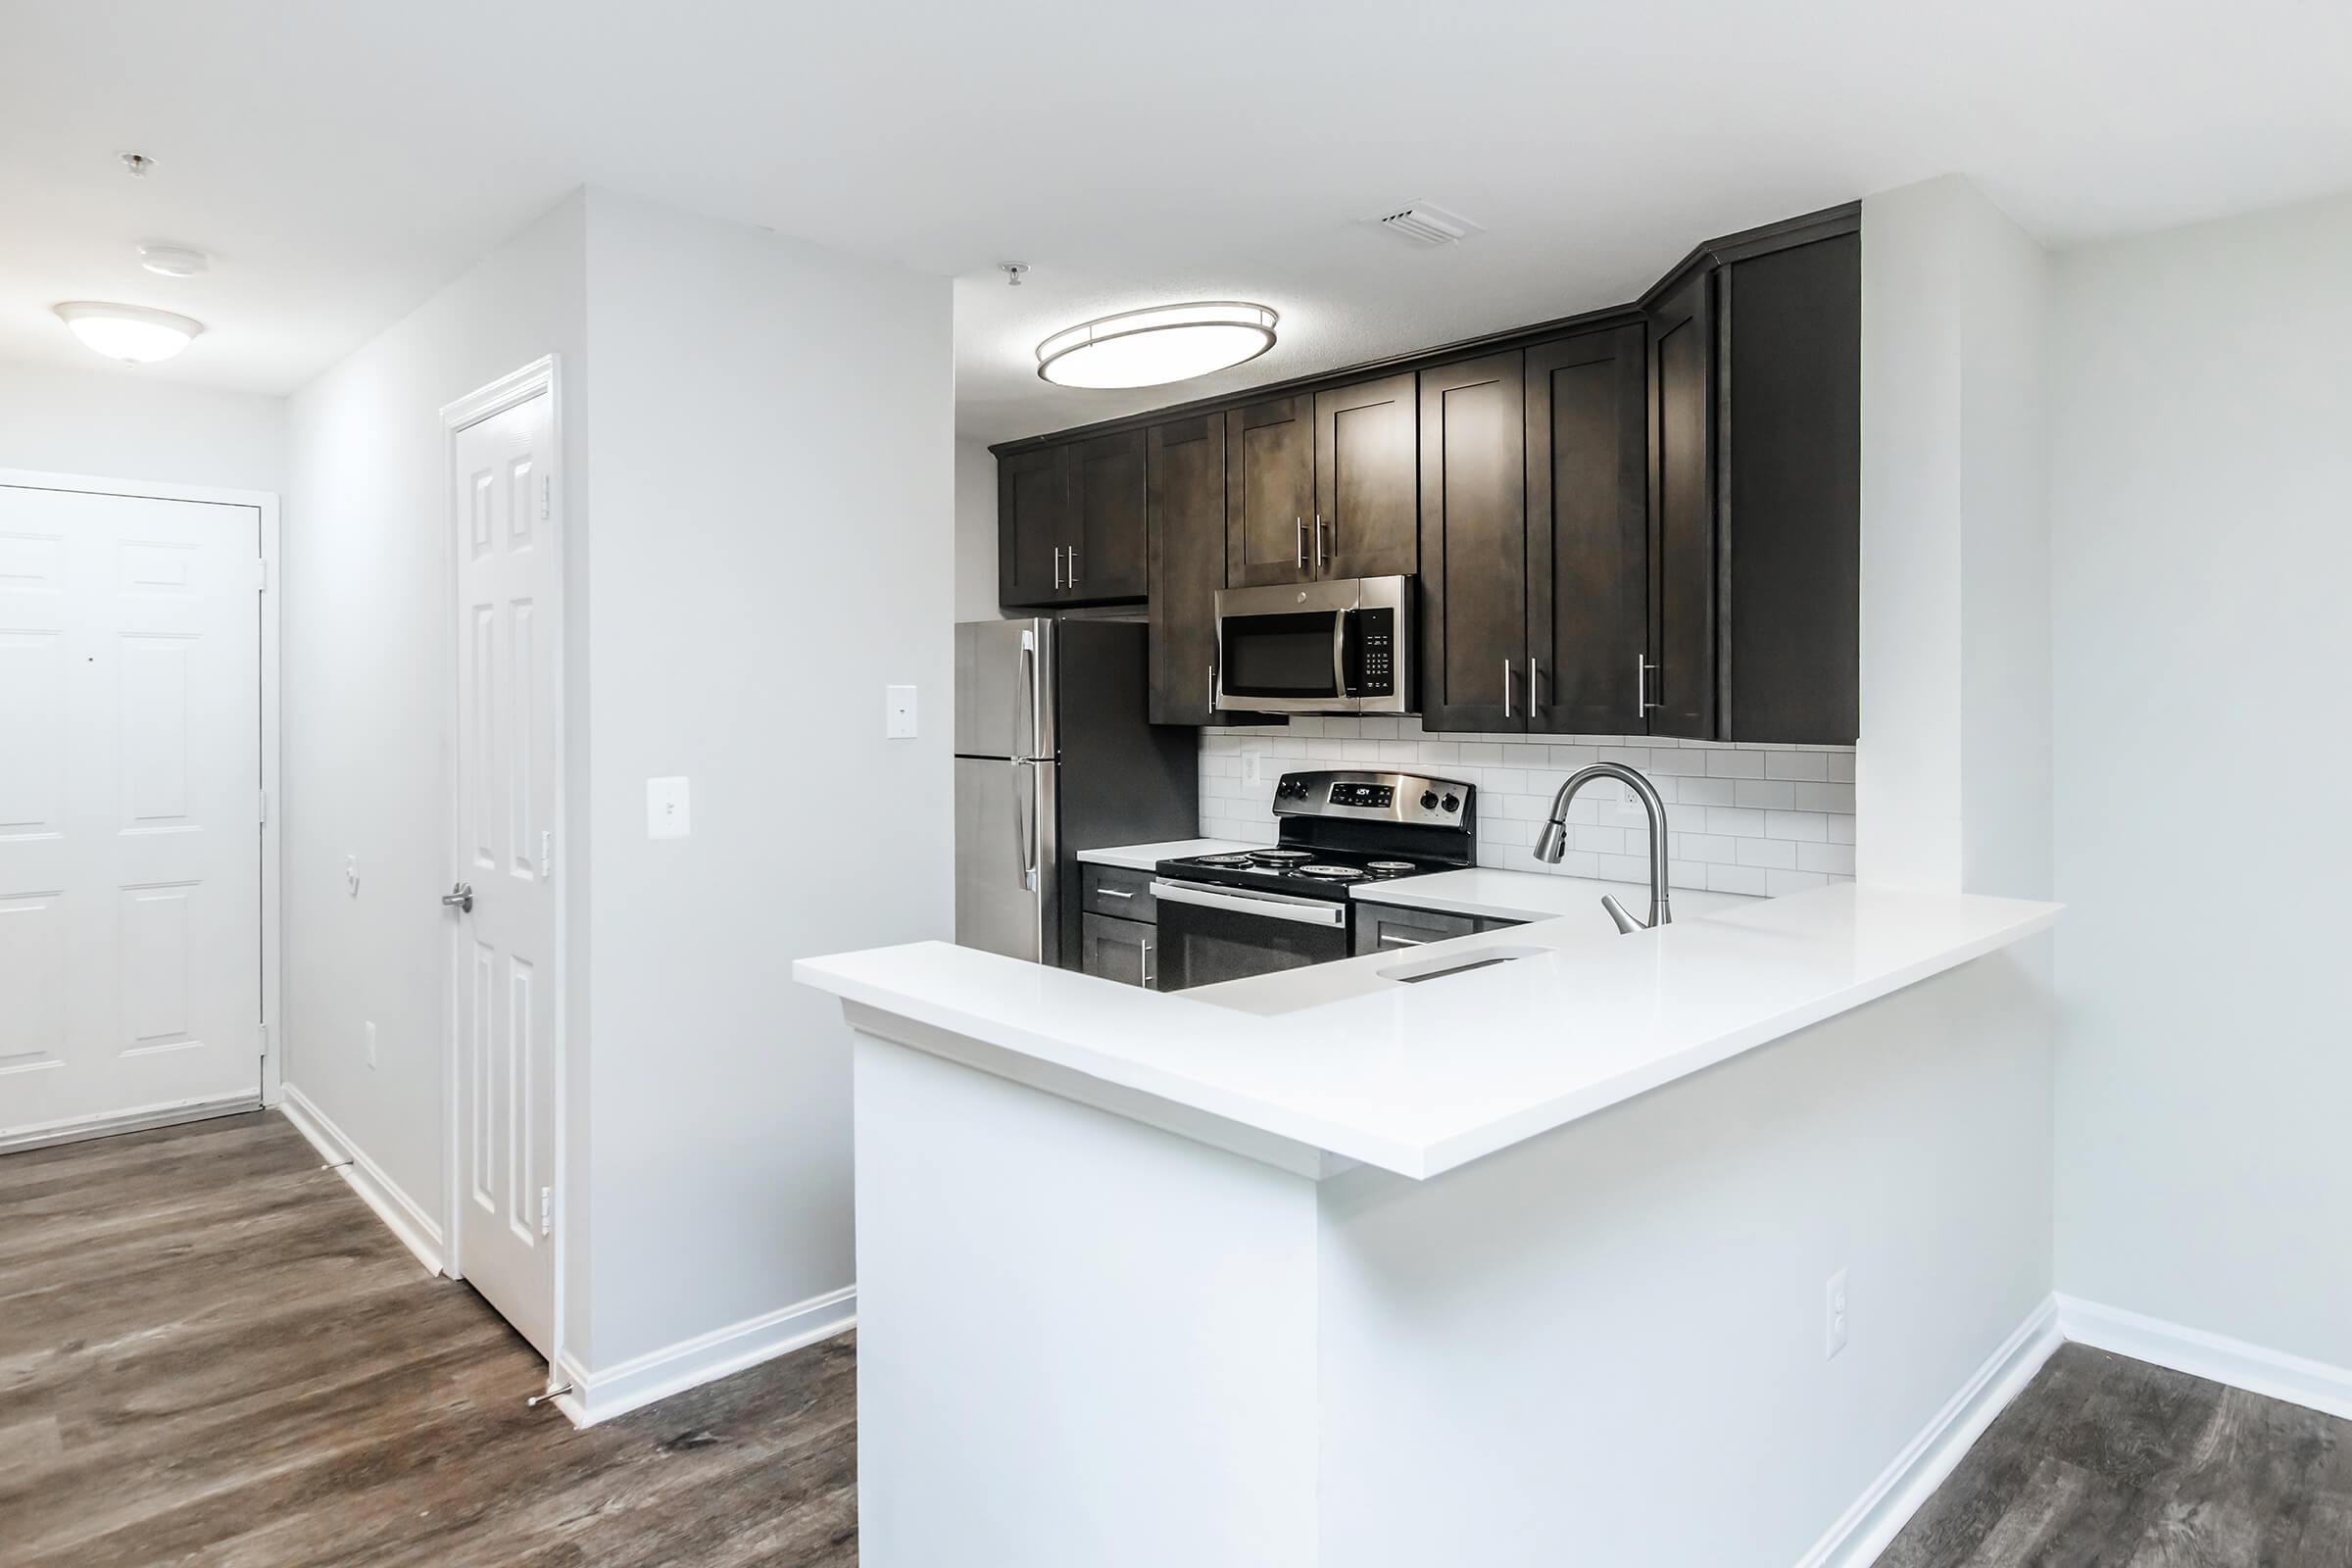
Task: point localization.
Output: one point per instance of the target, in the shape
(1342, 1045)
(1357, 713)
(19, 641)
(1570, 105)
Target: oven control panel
(1379, 797)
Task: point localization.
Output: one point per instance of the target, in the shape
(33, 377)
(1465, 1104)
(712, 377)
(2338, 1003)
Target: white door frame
(273, 802)
(542, 374)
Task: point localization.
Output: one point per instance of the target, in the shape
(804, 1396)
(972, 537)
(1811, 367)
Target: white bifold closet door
(130, 806)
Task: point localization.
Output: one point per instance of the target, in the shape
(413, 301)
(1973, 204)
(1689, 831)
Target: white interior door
(130, 887)
(509, 627)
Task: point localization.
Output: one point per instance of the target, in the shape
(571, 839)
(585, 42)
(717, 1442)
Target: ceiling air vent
(1423, 224)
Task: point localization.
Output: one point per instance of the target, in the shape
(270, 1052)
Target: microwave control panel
(1372, 653)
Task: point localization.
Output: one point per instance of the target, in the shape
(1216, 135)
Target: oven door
(1208, 934)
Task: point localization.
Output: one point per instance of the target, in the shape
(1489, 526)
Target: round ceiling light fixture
(1161, 344)
(131, 333)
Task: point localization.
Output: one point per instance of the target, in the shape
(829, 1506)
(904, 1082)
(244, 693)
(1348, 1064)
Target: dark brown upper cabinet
(1755, 489)
(1675, 682)
(1070, 523)
(1109, 555)
(1184, 464)
(1789, 516)
(1269, 492)
(1033, 526)
(1474, 576)
(1587, 533)
(1365, 522)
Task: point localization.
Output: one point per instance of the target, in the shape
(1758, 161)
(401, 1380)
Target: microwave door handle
(1339, 654)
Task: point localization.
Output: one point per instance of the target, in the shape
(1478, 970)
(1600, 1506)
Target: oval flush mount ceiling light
(1165, 343)
(131, 333)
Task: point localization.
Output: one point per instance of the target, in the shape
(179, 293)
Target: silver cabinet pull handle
(1144, 964)
(1300, 525)
(459, 897)
(1212, 690)
(1535, 673)
(1058, 568)
(1642, 701)
(1506, 688)
(1117, 893)
(1321, 554)
(1391, 940)
(1073, 565)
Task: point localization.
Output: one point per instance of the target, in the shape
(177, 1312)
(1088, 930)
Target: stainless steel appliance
(1054, 753)
(1230, 917)
(1339, 647)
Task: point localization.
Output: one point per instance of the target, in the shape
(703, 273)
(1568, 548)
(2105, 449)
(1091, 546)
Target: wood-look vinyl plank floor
(211, 1352)
(2106, 1462)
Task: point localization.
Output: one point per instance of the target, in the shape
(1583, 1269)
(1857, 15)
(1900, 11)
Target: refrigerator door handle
(1024, 831)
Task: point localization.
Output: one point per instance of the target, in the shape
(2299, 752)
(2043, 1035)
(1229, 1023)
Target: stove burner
(1391, 867)
(1277, 856)
(1332, 873)
(1221, 860)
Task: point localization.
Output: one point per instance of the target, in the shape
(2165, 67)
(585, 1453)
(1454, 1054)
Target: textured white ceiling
(343, 160)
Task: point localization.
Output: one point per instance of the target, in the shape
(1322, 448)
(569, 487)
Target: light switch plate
(668, 810)
(897, 712)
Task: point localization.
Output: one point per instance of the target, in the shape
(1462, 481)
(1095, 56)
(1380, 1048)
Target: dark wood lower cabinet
(1474, 568)
(1588, 532)
(1118, 950)
(1185, 510)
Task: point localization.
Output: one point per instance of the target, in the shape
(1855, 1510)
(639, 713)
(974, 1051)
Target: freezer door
(1005, 688)
(1007, 887)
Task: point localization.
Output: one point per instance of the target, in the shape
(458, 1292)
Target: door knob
(459, 896)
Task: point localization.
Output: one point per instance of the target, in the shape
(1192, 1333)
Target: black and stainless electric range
(1229, 916)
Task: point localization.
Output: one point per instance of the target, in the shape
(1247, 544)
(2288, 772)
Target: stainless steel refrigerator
(1054, 753)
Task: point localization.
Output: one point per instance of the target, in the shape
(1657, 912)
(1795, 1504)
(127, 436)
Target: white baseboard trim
(2274, 1374)
(599, 1396)
(127, 1121)
(1879, 1516)
(407, 1219)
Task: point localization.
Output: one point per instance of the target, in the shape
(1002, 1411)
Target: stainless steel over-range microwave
(1339, 647)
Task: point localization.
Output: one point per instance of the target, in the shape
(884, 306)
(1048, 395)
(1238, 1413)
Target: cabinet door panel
(1588, 541)
(1120, 950)
(1033, 512)
(1184, 469)
(1269, 492)
(1682, 380)
(1474, 546)
(1791, 455)
(1107, 557)
(1367, 494)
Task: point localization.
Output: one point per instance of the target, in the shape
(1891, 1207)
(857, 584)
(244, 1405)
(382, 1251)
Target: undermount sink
(1410, 974)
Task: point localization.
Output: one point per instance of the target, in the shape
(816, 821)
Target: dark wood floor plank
(212, 1353)
(2106, 1462)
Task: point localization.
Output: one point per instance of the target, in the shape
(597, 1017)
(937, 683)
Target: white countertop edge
(1496, 893)
(1147, 857)
(1014, 1048)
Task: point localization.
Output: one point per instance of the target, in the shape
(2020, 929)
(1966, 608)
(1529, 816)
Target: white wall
(116, 423)
(368, 683)
(2202, 464)
(975, 532)
(774, 543)
(1953, 769)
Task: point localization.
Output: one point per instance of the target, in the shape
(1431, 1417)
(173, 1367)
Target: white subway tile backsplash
(1742, 819)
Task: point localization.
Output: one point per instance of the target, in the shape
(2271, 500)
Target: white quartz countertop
(1496, 895)
(1144, 856)
(1421, 1078)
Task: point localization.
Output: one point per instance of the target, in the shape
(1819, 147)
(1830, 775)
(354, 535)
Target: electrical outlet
(371, 1043)
(1253, 765)
(1836, 1320)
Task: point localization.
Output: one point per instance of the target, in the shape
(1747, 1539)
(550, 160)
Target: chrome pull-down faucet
(1554, 841)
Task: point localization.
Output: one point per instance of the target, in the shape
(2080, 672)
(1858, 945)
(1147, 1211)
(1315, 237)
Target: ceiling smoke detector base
(1426, 225)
